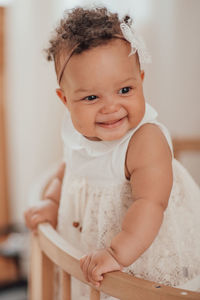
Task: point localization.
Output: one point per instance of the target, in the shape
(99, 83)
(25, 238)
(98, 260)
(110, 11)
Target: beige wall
(171, 31)
(33, 110)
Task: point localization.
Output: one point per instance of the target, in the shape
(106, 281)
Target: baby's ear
(142, 74)
(61, 95)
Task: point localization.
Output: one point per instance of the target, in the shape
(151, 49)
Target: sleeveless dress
(96, 195)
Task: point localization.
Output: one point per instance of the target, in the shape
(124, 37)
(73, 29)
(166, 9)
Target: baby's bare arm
(53, 189)
(150, 171)
(149, 165)
(47, 209)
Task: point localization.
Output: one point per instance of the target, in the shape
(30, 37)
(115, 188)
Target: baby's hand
(45, 211)
(97, 263)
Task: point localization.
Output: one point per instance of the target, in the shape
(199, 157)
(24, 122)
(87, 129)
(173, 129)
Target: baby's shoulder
(148, 145)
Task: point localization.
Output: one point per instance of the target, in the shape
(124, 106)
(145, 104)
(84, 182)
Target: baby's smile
(113, 123)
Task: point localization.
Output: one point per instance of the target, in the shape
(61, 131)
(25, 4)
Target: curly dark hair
(86, 28)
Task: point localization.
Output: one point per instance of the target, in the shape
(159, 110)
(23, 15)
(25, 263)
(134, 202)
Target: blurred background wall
(171, 29)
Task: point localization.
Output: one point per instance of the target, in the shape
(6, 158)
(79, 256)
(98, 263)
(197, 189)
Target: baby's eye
(125, 90)
(90, 98)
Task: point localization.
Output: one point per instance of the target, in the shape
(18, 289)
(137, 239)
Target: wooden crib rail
(182, 145)
(49, 248)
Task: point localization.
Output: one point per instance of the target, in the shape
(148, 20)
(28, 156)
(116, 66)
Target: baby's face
(102, 89)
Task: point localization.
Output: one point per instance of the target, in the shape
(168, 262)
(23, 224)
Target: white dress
(96, 195)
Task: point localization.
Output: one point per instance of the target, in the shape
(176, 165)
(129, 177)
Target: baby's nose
(110, 105)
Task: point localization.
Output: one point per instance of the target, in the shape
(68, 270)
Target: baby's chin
(108, 135)
(110, 139)
(114, 135)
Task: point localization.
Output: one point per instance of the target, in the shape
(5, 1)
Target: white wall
(171, 31)
(33, 111)
(173, 79)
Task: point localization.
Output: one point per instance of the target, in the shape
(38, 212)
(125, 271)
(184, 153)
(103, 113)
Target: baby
(119, 196)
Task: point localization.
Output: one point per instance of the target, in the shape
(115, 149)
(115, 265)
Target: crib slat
(94, 294)
(35, 276)
(65, 281)
(47, 278)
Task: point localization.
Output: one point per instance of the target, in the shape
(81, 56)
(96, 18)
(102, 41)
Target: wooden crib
(48, 248)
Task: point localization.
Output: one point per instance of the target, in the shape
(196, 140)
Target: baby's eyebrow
(130, 78)
(81, 90)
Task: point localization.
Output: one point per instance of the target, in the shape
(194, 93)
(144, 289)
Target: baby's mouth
(111, 123)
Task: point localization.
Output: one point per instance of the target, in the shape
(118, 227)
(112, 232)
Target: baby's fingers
(82, 259)
(93, 273)
(28, 216)
(36, 219)
(33, 221)
(96, 276)
(85, 266)
(29, 213)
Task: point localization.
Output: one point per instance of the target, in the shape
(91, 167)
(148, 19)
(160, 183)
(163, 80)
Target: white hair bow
(137, 43)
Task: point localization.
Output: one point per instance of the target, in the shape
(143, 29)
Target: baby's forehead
(115, 48)
(98, 79)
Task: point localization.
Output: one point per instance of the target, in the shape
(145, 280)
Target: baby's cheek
(83, 126)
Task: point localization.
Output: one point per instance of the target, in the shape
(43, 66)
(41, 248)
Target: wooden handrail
(117, 284)
(182, 145)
